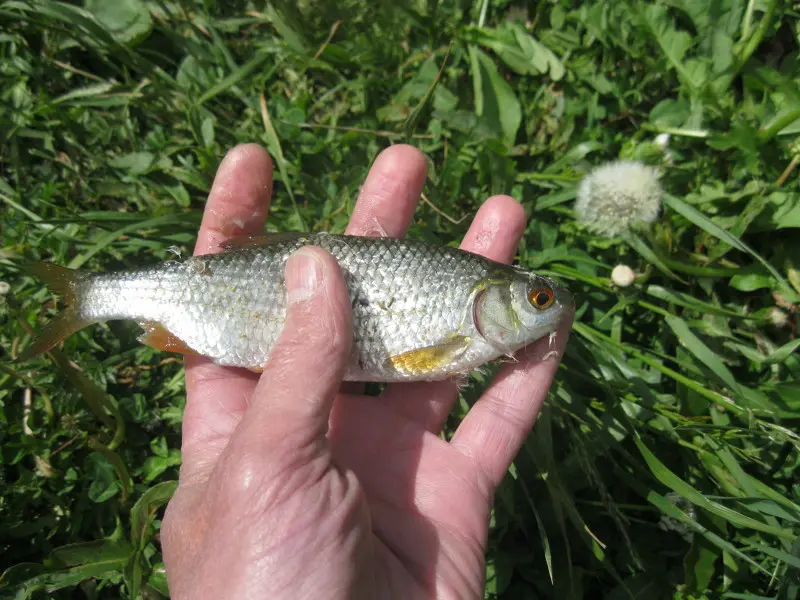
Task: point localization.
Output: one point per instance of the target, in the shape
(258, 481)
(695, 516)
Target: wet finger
(390, 193)
(239, 199)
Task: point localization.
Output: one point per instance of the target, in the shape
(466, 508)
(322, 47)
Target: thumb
(304, 370)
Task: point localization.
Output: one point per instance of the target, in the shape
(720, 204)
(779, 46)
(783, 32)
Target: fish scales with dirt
(420, 311)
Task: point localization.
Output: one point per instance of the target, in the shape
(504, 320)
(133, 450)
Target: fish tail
(62, 281)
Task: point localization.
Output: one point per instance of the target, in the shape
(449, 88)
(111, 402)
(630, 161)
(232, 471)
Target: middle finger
(390, 193)
(495, 233)
(387, 201)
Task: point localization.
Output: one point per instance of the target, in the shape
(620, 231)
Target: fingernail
(303, 275)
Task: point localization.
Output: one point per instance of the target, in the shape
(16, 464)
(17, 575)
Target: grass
(665, 464)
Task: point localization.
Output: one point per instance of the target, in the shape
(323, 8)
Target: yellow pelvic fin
(261, 239)
(427, 359)
(159, 337)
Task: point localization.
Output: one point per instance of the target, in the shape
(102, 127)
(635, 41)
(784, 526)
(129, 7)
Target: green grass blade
(638, 244)
(235, 77)
(704, 223)
(676, 484)
(109, 238)
(702, 352)
(689, 301)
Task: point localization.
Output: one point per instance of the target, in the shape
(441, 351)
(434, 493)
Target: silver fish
(420, 311)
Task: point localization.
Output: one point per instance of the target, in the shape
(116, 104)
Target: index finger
(390, 193)
(239, 199)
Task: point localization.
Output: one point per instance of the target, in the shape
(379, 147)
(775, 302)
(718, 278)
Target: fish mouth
(566, 301)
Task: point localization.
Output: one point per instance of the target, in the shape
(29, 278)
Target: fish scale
(419, 311)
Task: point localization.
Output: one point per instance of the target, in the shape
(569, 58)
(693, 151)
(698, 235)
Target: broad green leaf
(156, 465)
(673, 43)
(20, 573)
(99, 552)
(135, 162)
(158, 580)
(144, 509)
(128, 20)
(787, 211)
(699, 565)
(208, 131)
(121, 470)
(722, 51)
(751, 282)
(69, 566)
(82, 21)
(538, 53)
(495, 101)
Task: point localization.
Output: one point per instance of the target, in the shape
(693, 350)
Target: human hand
(294, 487)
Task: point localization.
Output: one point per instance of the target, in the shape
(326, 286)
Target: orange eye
(540, 298)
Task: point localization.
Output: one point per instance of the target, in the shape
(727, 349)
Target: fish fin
(261, 239)
(159, 337)
(62, 281)
(58, 279)
(378, 228)
(258, 370)
(63, 325)
(426, 359)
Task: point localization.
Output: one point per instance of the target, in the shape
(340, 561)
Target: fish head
(519, 308)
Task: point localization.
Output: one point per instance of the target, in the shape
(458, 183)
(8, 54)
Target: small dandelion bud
(622, 276)
(778, 317)
(4, 288)
(619, 196)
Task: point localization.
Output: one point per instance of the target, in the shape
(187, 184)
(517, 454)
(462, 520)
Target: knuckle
(242, 476)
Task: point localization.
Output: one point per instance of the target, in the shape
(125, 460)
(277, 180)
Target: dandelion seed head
(619, 196)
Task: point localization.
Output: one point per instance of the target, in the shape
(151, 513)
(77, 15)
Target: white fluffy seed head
(4, 288)
(622, 276)
(619, 196)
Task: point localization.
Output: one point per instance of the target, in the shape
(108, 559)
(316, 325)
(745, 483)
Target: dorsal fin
(262, 239)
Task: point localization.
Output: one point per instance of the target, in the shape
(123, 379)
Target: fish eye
(541, 298)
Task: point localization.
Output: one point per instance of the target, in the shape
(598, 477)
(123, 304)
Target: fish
(420, 311)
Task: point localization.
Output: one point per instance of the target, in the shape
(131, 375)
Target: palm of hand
(380, 507)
